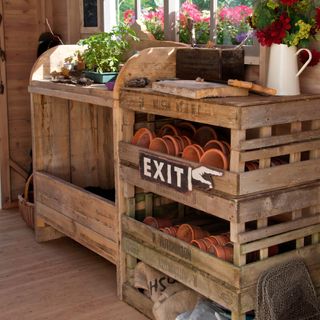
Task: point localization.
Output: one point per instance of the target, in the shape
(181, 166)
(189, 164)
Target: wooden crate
(73, 149)
(261, 128)
(231, 285)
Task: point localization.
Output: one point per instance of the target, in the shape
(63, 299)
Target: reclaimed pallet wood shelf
(269, 206)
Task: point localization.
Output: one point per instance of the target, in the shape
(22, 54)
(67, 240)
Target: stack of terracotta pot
(184, 140)
(217, 245)
(254, 165)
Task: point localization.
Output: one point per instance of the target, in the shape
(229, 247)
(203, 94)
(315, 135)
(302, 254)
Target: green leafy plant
(104, 51)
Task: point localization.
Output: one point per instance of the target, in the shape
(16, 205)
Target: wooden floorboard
(57, 280)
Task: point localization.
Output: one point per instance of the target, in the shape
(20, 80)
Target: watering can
(283, 73)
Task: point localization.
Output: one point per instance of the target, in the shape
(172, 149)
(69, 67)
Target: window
(91, 15)
(190, 21)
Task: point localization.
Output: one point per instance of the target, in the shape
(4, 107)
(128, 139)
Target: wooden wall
(20, 28)
(23, 22)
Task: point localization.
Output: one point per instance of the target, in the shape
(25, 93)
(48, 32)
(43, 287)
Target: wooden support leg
(44, 232)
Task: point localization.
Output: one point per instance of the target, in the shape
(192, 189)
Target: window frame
(100, 16)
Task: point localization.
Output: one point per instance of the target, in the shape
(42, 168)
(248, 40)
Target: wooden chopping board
(197, 90)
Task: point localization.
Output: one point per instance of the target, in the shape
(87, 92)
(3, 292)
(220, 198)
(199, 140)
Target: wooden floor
(58, 280)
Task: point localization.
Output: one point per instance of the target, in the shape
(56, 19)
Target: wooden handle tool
(252, 87)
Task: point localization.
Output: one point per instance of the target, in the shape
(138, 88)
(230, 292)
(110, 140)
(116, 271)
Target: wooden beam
(5, 196)
(171, 15)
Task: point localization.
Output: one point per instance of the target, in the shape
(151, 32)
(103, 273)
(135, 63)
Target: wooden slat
(137, 300)
(278, 113)
(264, 163)
(96, 94)
(84, 207)
(180, 108)
(278, 202)
(168, 245)
(277, 229)
(215, 205)
(279, 140)
(90, 239)
(279, 151)
(277, 239)
(279, 176)
(51, 136)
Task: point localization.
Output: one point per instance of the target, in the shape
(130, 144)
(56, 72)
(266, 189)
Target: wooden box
(210, 64)
(261, 129)
(231, 285)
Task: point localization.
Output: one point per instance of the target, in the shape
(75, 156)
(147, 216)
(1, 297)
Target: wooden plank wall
(22, 28)
(23, 22)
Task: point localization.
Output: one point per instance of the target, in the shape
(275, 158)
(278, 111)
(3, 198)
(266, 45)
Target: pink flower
(236, 14)
(190, 10)
(129, 17)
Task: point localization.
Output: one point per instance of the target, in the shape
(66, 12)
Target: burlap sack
(173, 301)
(152, 281)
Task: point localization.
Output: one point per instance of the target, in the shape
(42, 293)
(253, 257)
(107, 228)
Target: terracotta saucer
(174, 145)
(227, 145)
(160, 145)
(186, 140)
(169, 129)
(204, 134)
(187, 129)
(216, 144)
(143, 137)
(180, 142)
(215, 158)
(192, 153)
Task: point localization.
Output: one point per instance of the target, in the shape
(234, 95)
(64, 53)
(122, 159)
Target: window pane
(232, 28)
(90, 13)
(153, 18)
(194, 21)
(126, 11)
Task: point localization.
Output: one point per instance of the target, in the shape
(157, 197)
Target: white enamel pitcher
(283, 73)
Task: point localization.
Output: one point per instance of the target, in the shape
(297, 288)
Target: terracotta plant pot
(172, 231)
(221, 239)
(227, 145)
(188, 232)
(204, 134)
(216, 144)
(192, 153)
(251, 165)
(200, 243)
(181, 144)
(187, 129)
(186, 140)
(172, 141)
(215, 158)
(222, 252)
(143, 137)
(160, 145)
(157, 222)
(169, 129)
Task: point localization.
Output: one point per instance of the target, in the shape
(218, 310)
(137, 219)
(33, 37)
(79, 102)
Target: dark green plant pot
(101, 77)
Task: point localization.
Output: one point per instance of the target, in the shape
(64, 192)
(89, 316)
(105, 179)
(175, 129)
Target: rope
(50, 29)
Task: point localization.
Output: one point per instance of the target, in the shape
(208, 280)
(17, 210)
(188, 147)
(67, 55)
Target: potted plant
(104, 52)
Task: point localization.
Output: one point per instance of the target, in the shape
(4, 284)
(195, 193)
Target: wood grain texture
(57, 280)
(197, 90)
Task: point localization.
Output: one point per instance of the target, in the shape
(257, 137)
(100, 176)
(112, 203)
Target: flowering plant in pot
(290, 22)
(104, 52)
(285, 25)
